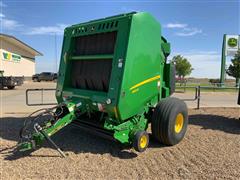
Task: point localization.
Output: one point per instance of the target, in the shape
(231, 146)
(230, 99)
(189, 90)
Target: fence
(197, 95)
(198, 89)
(42, 90)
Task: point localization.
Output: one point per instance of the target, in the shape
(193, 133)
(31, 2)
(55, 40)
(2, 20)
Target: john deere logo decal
(11, 57)
(7, 56)
(232, 42)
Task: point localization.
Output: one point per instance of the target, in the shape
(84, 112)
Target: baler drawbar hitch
(40, 125)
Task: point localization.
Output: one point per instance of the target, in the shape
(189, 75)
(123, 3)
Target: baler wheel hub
(179, 123)
(143, 141)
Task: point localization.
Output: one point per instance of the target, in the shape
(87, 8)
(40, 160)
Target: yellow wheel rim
(179, 123)
(143, 141)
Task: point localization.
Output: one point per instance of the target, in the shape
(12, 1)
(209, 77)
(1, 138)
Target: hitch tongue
(50, 141)
(32, 137)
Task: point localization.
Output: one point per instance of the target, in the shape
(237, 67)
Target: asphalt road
(210, 99)
(13, 101)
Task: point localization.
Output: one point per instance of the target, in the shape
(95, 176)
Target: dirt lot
(211, 149)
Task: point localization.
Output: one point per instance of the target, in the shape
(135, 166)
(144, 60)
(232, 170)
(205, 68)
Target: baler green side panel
(62, 67)
(143, 66)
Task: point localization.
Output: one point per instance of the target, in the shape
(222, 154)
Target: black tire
(138, 143)
(10, 87)
(164, 119)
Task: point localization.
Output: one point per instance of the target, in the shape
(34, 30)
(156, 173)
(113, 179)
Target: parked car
(45, 76)
(10, 81)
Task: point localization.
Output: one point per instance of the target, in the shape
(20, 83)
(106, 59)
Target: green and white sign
(232, 44)
(11, 57)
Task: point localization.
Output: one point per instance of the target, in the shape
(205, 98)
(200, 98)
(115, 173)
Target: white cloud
(185, 30)
(175, 25)
(47, 30)
(9, 24)
(189, 32)
(2, 15)
(206, 64)
(6, 23)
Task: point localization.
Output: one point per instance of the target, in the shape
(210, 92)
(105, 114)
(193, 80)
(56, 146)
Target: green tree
(183, 66)
(234, 68)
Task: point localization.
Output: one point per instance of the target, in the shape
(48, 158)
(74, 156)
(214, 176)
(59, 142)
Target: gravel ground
(210, 150)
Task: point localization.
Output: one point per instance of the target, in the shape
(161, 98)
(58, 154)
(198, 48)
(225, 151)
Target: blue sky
(194, 28)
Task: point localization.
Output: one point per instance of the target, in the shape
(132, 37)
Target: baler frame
(123, 105)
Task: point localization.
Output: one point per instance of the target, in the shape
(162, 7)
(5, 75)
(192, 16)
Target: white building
(16, 57)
